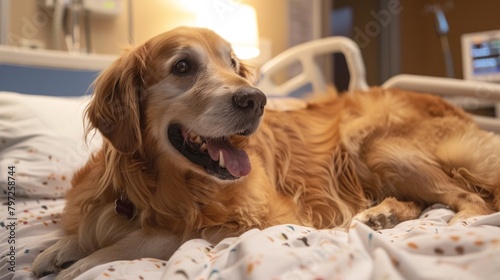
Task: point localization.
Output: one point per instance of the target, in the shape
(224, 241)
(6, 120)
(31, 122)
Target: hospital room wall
(109, 35)
(421, 47)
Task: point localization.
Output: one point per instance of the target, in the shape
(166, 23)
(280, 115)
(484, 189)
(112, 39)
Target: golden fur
(319, 166)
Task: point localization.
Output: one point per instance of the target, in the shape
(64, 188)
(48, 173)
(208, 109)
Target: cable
(442, 29)
(448, 59)
(57, 24)
(76, 7)
(131, 40)
(88, 35)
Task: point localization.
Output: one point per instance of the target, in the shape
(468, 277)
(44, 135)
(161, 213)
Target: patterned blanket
(427, 248)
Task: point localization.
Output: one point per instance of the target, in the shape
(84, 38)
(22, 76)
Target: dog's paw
(57, 257)
(96, 258)
(389, 213)
(45, 264)
(465, 217)
(73, 270)
(376, 219)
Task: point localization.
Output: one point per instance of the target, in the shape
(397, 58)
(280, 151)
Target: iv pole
(443, 29)
(4, 21)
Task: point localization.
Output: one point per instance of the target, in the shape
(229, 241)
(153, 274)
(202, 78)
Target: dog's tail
(473, 159)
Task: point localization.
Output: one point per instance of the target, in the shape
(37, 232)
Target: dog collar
(125, 207)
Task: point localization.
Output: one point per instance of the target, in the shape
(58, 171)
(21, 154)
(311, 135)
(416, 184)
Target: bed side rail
(472, 92)
(311, 73)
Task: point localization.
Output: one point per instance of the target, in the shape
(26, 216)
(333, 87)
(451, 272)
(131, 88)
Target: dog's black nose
(250, 99)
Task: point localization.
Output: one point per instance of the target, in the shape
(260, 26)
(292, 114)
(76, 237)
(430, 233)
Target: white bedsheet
(421, 249)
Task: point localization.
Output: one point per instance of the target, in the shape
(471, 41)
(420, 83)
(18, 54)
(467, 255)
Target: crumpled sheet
(427, 248)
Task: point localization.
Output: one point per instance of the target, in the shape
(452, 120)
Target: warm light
(187, 5)
(235, 22)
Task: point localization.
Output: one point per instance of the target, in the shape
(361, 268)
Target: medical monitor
(481, 56)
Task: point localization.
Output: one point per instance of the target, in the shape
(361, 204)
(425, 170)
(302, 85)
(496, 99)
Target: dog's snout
(251, 100)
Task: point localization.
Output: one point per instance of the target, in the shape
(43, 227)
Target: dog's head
(186, 92)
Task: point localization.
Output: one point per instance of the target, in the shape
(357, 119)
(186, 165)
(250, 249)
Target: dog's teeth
(203, 147)
(198, 140)
(192, 135)
(221, 160)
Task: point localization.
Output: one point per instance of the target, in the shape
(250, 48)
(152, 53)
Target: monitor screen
(481, 56)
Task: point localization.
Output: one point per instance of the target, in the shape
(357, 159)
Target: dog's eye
(182, 67)
(234, 63)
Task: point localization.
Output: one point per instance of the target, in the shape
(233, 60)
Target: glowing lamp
(235, 22)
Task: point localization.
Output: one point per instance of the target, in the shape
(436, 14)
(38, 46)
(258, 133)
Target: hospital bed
(460, 92)
(41, 142)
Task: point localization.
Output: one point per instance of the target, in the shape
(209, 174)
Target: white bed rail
(306, 54)
(474, 92)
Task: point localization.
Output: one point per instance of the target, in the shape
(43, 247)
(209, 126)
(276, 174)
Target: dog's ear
(248, 72)
(115, 106)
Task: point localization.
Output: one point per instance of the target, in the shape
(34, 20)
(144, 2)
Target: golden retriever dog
(191, 152)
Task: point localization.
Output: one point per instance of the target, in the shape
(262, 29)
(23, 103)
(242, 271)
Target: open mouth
(217, 156)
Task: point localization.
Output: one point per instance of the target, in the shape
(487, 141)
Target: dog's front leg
(57, 256)
(389, 213)
(137, 244)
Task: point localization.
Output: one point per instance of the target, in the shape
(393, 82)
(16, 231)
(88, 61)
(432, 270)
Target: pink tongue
(236, 160)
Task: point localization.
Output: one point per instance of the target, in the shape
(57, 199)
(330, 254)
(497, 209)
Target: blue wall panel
(46, 81)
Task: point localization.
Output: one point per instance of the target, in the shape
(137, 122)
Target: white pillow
(41, 139)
